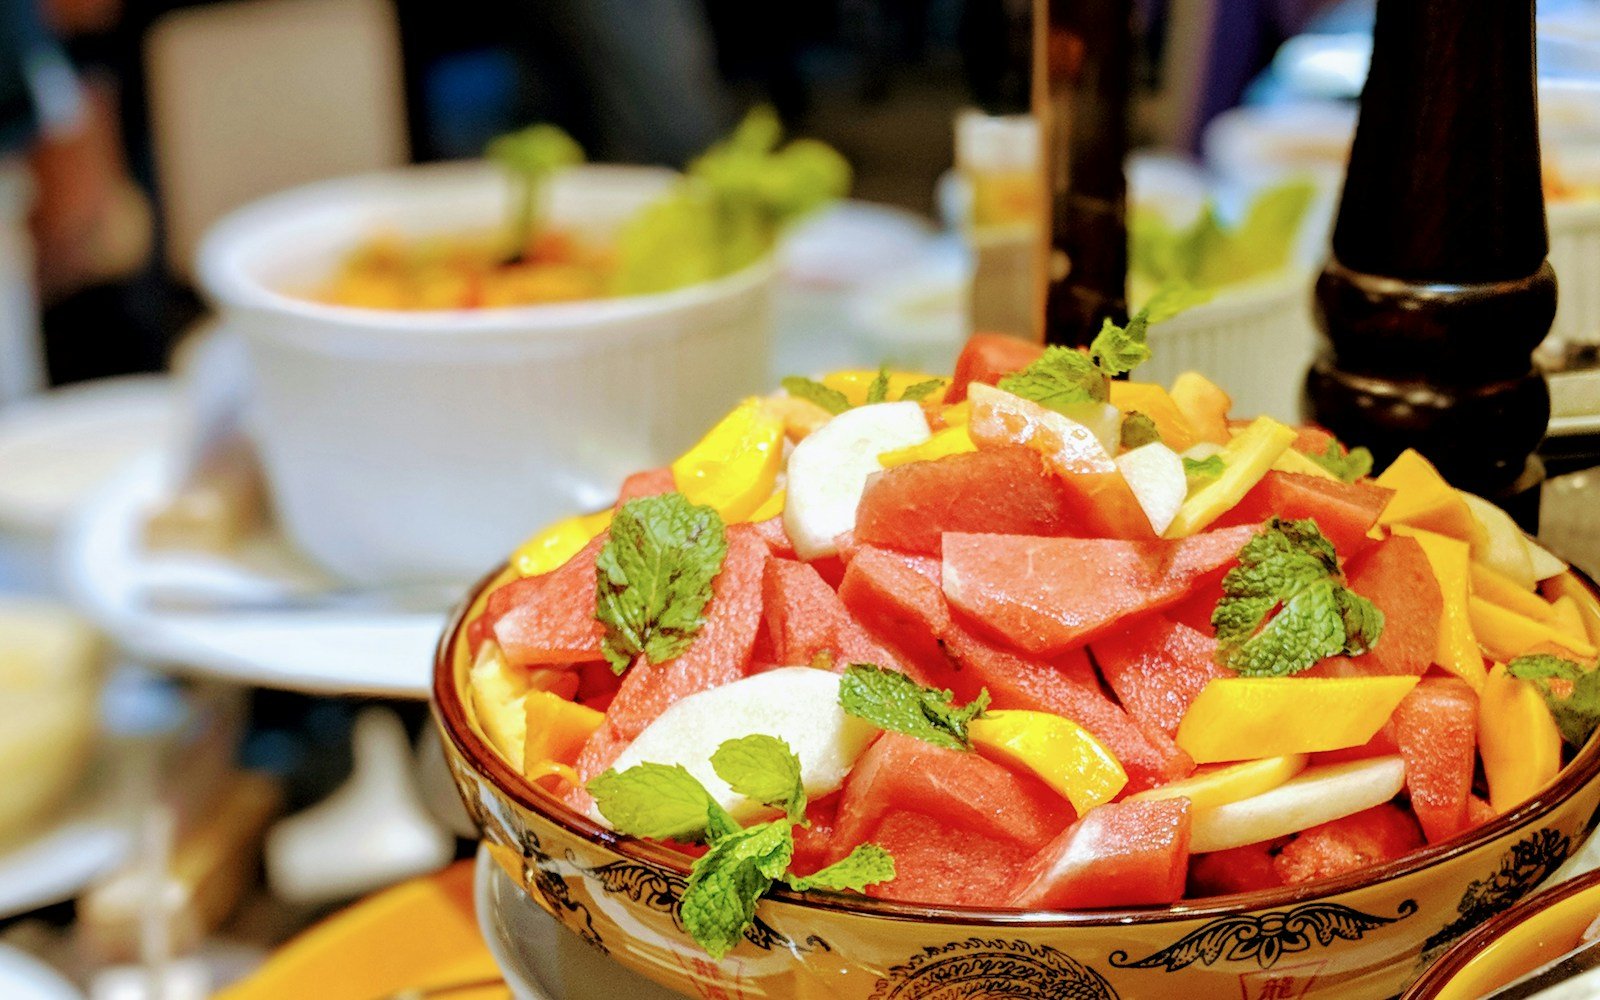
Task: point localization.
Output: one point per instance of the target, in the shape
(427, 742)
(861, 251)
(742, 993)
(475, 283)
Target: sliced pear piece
(1155, 475)
(829, 469)
(1317, 795)
(1501, 545)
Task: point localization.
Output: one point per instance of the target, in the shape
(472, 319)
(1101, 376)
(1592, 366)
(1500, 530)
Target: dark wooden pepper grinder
(1438, 290)
(1083, 58)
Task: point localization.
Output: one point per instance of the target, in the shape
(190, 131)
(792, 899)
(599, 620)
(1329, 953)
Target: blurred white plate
(108, 573)
(90, 837)
(23, 977)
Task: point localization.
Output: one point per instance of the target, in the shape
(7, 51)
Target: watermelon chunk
(649, 483)
(813, 844)
(805, 618)
(1312, 440)
(897, 597)
(962, 790)
(1479, 811)
(776, 536)
(941, 864)
(1119, 854)
(1345, 512)
(1157, 669)
(986, 358)
(549, 618)
(1436, 727)
(1396, 576)
(999, 491)
(1049, 595)
(1353, 843)
(719, 654)
(1238, 869)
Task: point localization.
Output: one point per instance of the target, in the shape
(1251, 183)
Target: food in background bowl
(1080, 667)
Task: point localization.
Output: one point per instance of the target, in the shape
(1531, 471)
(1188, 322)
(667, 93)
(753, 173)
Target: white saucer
(23, 977)
(91, 837)
(106, 570)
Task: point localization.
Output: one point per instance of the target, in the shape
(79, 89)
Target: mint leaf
(1173, 298)
(1200, 470)
(832, 400)
(661, 801)
(1285, 606)
(878, 391)
(890, 700)
(1348, 467)
(653, 577)
(1059, 377)
(1118, 350)
(867, 865)
(763, 768)
(1574, 698)
(719, 902)
(1138, 430)
(919, 391)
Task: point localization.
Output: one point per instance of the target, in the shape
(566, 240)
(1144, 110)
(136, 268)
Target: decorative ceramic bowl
(1513, 944)
(1367, 934)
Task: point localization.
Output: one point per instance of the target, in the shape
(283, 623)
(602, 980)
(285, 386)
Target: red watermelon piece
(997, 491)
(549, 618)
(1479, 811)
(963, 790)
(1119, 854)
(813, 843)
(1353, 843)
(1436, 727)
(986, 358)
(1049, 595)
(1239, 869)
(719, 654)
(1313, 440)
(1157, 669)
(776, 536)
(649, 483)
(1394, 575)
(1345, 512)
(896, 596)
(805, 619)
(941, 864)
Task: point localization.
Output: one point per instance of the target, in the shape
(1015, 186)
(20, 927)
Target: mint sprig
(1285, 606)
(1574, 701)
(1118, 350)
(890, 700)
(654, 575)
(1064, 376)
(725, 884)
(918, 391)
(1348, 466)
(836, 402)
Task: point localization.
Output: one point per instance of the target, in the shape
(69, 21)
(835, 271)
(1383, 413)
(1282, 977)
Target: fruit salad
(1035, 636)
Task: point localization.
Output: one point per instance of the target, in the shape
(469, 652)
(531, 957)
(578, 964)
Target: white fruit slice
(1103, 420)
(829, 470)
(1506, 547)
(1155, 475)
(1545, 563)
(799, 705)
(1318, 795)
(498, 700)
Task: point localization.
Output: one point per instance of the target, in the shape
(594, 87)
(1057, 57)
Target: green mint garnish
(1118, 350)
(1138, 430)
(1348, 467)
(878, 391)
(531, 156)
(1200, 470)
(1063, 376)
(1285, 606)
(813, 391)
(725, 884)
(890, 700)
(1576, 710)
(654, 576)
(919, 391)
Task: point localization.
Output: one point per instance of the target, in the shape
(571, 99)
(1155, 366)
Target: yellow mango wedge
(556, 729)
(1245, 460)
(1506, 635)
(1583, 597)
(957, 414)
(497, 692)
(551, 548)
(1518, 741)
(734, 467)
(1204, 405)
(1424, 500)
(1300, 463)
(1156, 403)
(770, 508)
(1243, 718)
(1062, 753)
(1218, 785)
(1568, 619)
(1497, 588)
(1458, 647)
(950, 441)
(854, 384)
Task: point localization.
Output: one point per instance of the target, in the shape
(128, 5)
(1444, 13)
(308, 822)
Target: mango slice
(1062, 753)
(1156, 403)
(950, 441)
(1506, 635)
(1458, 647)
(1204, 405)
(1299, 462)
(734, 467)
(854, 385)
(1497, 588)
(770, 508)
(497, 692)
(1518, 741)
(551, 548)
(556, 730)
(1210, 787)
(1245, 460)
(1568, 618)
(1243, 718)
(1423, 499)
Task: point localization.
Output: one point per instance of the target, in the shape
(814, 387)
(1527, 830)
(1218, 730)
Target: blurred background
(244, 467)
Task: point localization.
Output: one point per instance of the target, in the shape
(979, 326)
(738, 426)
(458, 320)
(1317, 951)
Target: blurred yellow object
(1156, 403)
(1300, 463)
(800, 416)
(734, 468)
(1204, 405)
(419, 936)
(1497, 588)
(556, 729)
(854, 385)
(957, 414)
(497, 699)
(950, 441)
(467, 272)
(1506, 635)
(1569, 619)
(1519, 742)
(1450, 559)
(1210, 787)
(1062, 753)
(552, 547)
(770, 508)
(1245, 459)
(1423, 499)
(1244, 718)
